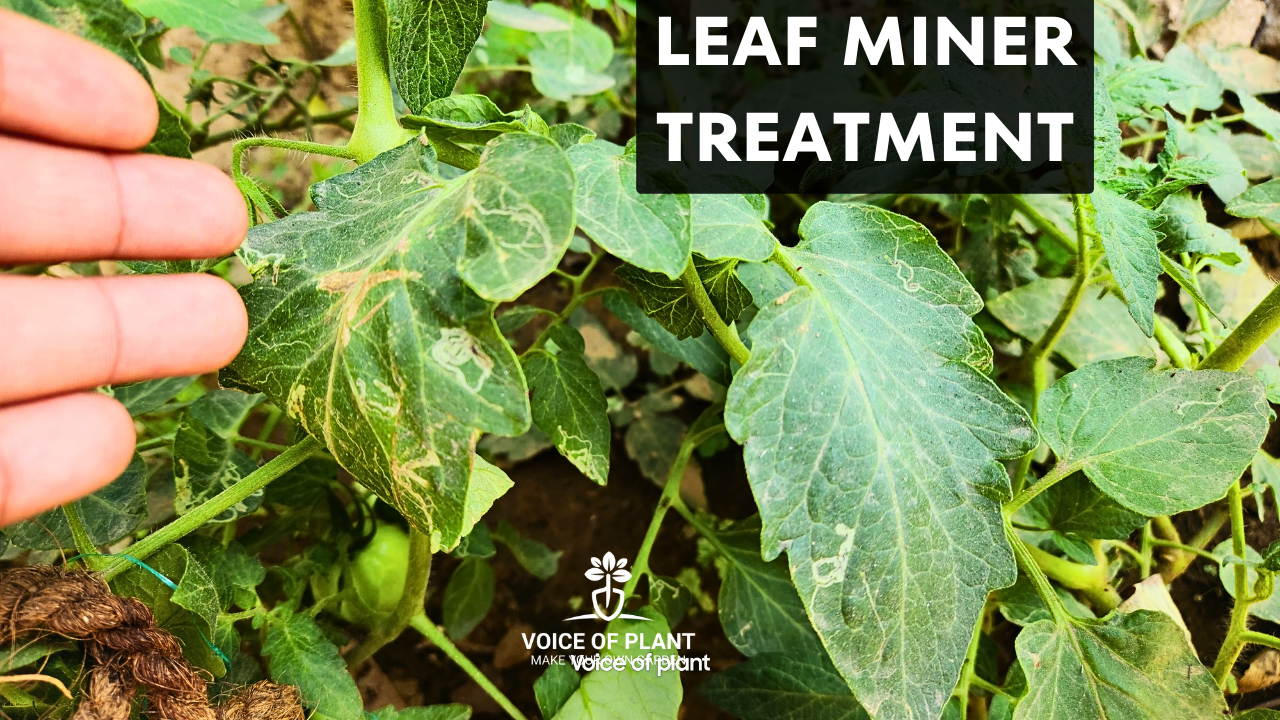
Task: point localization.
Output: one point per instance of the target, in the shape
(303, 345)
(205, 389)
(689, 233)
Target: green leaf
(571, 62)
(216, 20)
(759, 608)
(1106, 131)
(304, 485)
(670, 597)
(189, 612)
(1198, 11)
(361, 327)
(777, 686)
(451, 711)
(205, 464)
(886, 366)
(473, 120)
(1183, 277)
(1138, 83)
(702, 353)
(518, 17)
(25, 652)
(540, 560)
(517, 317)
(477, 543)
(1074, 507)
(488, 483)
(1130, 239)
(298, 653)
(142, 397)
(223, 411)
(109, 514)
(467, 597)
(1130, 665)
(667, 301)
(234, 572)
(1205, 90)
(567, 135)
(171, 138)
(553, 689)
(1186, 228)
(569, 406)
(629, 693)
(720, 278)
(727, 226)
(1021, 604)
(1268, 609)
(1138, 432)
(1099, 329)
(649, 231)
(428, 42)
(1260, 201)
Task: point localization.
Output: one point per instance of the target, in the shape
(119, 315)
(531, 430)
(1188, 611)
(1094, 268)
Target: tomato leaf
(473, 120)
(109, 514)
(887, 366)
(1138, 432)
(1260, 201)
(569, 406)
(189, 612)
(215, 20)
(468, 596)
(206, 463)
(362, 328)
(630, 692)
(570, 62)
(1130, 239)
(553, 689)
(1129, 665)
(540, 560)
(778, 686)
(728, 226)
(299, 654)
(428, 42)
(651, 232)
(702, 353)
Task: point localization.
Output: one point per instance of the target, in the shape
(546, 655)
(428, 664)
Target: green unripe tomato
(378, 575)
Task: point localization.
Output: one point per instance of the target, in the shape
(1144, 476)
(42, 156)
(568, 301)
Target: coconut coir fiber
(128, 651)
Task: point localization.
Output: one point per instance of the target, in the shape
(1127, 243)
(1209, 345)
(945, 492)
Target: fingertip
(177, 209)
(56, 450)
(227, 316)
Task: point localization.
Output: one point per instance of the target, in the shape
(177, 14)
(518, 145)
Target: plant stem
(214, 506)
(966, 670)
(409, 606)
(670, 492)
(1091, 580)
(1234, 642)
(719, 330)
(1157, 542)
(1203, 537)
(1258, 638)
(1059, 471)
(423, 624)
(259, 444)
(451, 153)
(84, 544)
(1177, 351)
(1030, 568)
(780, 259)
(1247, 337)
(1043, 224)
(377, 128)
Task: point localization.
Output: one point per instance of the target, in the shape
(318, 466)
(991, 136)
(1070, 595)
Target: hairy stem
(970, 658)
(409, 606)
(1043, 224)
(1177, 351)
(1030, 568)
(1179, 564)
(727, 338)
(1257, 638)
(214, 506)
(451, 153)
(423, 624)
(1247, 337)
(79, 534)
(1234, 642)
(1059, 471)
(1091, 580)
(377, 128)
(780, 259)
(670, 493)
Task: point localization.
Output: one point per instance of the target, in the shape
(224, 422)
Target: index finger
(61, 88)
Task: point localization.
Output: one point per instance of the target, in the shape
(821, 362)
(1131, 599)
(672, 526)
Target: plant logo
(611, 570)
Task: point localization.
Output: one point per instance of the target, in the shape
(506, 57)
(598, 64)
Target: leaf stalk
(719, 330)
(423, 624)
(1248, 336)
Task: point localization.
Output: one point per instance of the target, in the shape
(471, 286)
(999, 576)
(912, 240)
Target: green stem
(243, 488)
(1059, 471)
(451, 153)
(259, 444)
(1257, 638)
(1202, 312)
(1147, 551)
(1157, 542)
(1200, 541)
(1247, 337)
(670, 492)
(409, 606)
(1043, 224)
(423, 624)
(1091, 580)
(1234, 642)
(1177, 351)
(966, 670)
(377, 128)
(719, 330)
(79, 534)
(253, 194)
(780, 259)
(1030, 568)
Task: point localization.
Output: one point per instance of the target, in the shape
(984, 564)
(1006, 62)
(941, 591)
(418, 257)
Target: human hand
(69, 112)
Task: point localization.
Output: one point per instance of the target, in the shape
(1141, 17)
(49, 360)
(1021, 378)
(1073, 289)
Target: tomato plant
(987, 438)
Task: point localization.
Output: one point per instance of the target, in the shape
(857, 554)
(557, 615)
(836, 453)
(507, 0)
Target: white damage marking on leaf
(297, 394)
(390, 407)
(784, 297)
(456, 348)
(839, 563)
(355, 285)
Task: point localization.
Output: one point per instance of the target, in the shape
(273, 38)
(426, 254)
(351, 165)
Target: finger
(60, 203)
(56, 450)
(63, 335)
(62, 88)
